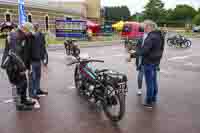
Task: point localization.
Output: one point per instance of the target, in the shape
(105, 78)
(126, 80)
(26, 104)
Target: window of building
(47, 23)
(30, 18)
(68, 18)
(8, 17)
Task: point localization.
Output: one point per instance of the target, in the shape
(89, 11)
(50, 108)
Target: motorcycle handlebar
(85, 61)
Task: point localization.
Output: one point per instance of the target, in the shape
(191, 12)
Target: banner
(22, 14)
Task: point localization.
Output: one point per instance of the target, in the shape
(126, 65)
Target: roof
(56, 5)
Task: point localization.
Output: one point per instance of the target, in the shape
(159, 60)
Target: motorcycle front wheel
(188, 43)
(170, 42)
(114, 107)
(78, 80)
(76, 51)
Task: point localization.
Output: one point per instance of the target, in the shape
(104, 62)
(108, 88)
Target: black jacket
(138, 48)
(38, 48)
(152, 49)
(21, 45)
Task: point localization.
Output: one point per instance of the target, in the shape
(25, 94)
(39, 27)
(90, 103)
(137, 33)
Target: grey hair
(151, 23)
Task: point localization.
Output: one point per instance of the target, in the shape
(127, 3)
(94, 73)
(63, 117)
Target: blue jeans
(150, 71)
(140, 77)
(36, 76)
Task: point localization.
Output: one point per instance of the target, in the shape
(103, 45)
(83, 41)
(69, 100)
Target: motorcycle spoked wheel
(170, 42)
(76, 52)
(68, 50)
(114, 106)
(78, 80)
(188, 43)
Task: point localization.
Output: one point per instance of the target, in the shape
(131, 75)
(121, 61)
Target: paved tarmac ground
(63, 111)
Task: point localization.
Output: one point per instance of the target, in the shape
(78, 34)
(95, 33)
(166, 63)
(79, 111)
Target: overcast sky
(138, 5)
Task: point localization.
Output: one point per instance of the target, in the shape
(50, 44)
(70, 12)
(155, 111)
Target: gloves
(133, 55)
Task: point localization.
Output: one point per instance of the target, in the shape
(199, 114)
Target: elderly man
(37, 57)
(151, 52)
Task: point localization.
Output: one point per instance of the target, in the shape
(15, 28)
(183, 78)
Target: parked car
(196, 29)
(132, 30)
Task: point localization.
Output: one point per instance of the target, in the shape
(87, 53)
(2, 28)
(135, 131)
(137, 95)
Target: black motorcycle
(179, 41)
(130, 44)
(71, 48)
(106, 87)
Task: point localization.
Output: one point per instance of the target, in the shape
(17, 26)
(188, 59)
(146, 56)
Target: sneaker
(148, 105)
(35, 97)
(37, 104)
(42, 93)
(139, 92)
(23, 107)
(28, 102)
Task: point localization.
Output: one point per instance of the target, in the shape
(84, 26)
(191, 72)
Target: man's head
(149, 26)
(36, 27)
(27, 28)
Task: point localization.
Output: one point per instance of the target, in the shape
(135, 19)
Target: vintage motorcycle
(71, 48)
(179, 41)
(104, 86)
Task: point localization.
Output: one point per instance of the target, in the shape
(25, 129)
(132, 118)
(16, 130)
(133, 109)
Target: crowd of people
(28, 43)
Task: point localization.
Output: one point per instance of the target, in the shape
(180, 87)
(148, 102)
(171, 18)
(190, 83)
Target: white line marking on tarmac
(191, 64)
(116, 55)
(71, 87)
(116, 48)
(165, 72)
(119, 55)
(179, 57)
(8, 101)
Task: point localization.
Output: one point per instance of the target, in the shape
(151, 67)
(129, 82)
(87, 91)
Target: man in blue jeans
(37, 56)
(151, 51)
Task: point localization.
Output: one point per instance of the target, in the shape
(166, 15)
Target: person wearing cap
(38, 51)
(20, 43)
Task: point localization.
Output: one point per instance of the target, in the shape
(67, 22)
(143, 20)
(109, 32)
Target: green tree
(117, 13)
(137, 17)
(154, 10)
(196, 19)
(184, 13)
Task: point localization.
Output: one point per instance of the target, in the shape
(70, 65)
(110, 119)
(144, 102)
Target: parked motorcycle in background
(179, 41)
(71, 48)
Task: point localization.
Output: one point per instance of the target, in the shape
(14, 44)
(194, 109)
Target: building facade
(45, 12)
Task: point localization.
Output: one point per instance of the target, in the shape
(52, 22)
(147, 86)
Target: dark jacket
(138, 48)
(20, 45)
(152, 49)
(38, 48)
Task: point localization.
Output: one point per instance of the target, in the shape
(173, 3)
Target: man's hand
(26, 72)
(2, 66)
(133, 55)
(45, 68)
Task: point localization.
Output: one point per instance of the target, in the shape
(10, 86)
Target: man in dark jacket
(37, 57)
(151, 51)
(19, 42)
